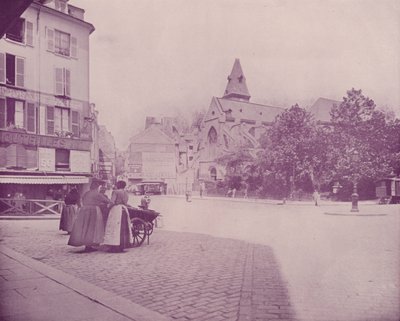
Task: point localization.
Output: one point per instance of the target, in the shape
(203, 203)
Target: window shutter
(30, 118)
(75, 123)
(50, 120)
(59, 82)
(29, 33)
(50, 39)
(2, 113)
(67, 83)
(2, 68)
(20, 72)
(74, 47)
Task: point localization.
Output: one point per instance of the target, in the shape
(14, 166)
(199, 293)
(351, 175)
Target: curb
(20, 218)
(110, 300)
(360, 214)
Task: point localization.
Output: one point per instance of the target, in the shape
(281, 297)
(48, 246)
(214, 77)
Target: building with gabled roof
(321, 109)
(231, 122)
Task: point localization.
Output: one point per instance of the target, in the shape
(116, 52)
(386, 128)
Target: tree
(359, 128)
(293, 152)
(237, 167)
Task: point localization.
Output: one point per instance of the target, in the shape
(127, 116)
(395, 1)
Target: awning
(44, 180)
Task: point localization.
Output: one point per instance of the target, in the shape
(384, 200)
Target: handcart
(142, 224)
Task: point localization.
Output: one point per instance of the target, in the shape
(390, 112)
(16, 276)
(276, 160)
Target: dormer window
(21, 31)
(60, 5)
(240, 78)
(16, 32)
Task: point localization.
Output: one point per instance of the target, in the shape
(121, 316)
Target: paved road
(273, 262)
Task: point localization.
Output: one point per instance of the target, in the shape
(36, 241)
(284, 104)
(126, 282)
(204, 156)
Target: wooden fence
(20, 207)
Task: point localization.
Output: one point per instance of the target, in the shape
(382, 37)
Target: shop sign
(43, 141)
(79, 161)
(47, 159)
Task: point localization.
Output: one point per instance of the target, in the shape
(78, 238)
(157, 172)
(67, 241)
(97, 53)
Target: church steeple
(236, 87)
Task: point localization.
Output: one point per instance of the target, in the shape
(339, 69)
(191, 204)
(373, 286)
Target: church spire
(236, 87)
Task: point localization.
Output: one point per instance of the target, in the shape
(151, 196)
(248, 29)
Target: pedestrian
(118, 234)
(316, 197)
(233, 192)
(88, 228)
(72, 202)
(202, 188)
(144, 202)
(246, 190)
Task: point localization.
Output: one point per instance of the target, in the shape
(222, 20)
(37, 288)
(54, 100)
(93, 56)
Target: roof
(152, 135)
(236, 87)
(322, 107)
(249, 111)
(10, 11)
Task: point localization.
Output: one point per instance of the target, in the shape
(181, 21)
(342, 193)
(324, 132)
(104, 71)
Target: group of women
(98, 220)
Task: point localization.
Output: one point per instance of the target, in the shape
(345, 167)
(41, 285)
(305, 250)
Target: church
(231, 123)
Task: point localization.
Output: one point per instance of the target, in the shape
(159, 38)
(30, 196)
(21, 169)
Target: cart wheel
(139, 233)
(149, 226)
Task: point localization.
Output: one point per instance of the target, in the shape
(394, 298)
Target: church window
(252, 131)
(226, 141)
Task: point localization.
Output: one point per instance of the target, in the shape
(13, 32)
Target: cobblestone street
(193, 276)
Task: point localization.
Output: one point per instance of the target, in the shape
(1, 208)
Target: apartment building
(46, 119)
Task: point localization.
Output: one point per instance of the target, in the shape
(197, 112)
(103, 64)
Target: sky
(170, 57)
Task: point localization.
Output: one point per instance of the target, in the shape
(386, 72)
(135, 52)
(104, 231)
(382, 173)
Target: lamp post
(354, 196)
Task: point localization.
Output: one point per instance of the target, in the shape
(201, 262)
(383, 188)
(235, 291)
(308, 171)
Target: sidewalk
(31, 290)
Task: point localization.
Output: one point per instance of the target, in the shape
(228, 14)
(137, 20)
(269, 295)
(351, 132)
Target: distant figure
(144, 202)
(246, 190)
(118, 234)
(70, 210)
(202, 188)
(88, 228)
(316, 198)
(233, 192)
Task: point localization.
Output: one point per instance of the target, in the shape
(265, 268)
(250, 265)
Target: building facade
(231, 123)
(107, 154)
(46, 120)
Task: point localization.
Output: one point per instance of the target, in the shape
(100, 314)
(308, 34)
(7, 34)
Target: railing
(20, 207)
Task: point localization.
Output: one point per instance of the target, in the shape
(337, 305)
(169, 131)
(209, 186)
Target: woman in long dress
(88, 228)
(70, 210)
(118, 234)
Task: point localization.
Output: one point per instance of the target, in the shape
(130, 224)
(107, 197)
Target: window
(16, 31)
(62, 82)
(17, 114)
(50, 120)
(252, 131)
(60, 5)
(75, 123)
(12, 70)
(61, 120)
(61, 43)
(21, 31)
(62, 160)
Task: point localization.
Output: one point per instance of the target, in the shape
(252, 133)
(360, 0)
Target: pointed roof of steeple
(236, 87)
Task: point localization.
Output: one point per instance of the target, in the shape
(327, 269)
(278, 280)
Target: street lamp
(354, 196)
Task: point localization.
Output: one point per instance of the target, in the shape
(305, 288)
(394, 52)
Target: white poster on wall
(47, 159)
(158, 166)
(79, 161)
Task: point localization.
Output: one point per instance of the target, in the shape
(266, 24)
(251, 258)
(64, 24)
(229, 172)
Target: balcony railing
(29, 207)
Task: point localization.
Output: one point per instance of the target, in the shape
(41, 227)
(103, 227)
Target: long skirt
(118, 232)
(68, 217)
(88, 228)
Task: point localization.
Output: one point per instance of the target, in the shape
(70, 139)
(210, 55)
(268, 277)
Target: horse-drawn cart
(142, 224)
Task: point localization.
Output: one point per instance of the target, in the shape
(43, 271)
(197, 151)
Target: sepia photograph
(199, 160)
